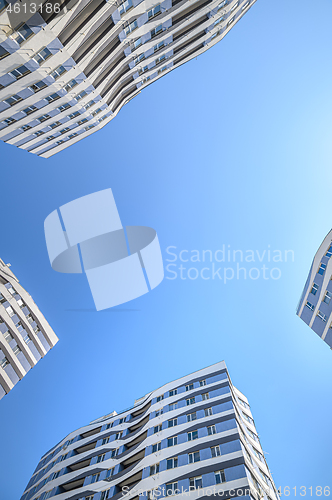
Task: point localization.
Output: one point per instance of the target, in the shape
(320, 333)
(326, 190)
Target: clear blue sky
(233, 148)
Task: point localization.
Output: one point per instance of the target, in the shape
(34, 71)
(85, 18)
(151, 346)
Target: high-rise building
(68, 66)
(194, 434)
(25, 335)
(315, 306)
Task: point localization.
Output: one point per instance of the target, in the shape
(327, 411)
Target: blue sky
(233, 148)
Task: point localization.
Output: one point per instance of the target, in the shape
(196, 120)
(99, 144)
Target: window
(8, 337)
(194, 457)
(252, 435)
(81, 95)
(72, 135)
(118, 435)
(13, 99)
(189, 387)
(220, 476)
(63, 107)
(110, 472)
(55, 124)
(158, 46)
(70, 85)
(208, 412)
(104, 494)
(322, 316)
(63, 131)
(29, 110)
(192, 435)
(172, 441)
(195, 483)
(191, 417)
(131, 27)
(3, 52)
(173, 422)
(42, 55)
(249, 419)
(230, 22)
(264, 476)
(321, 269)
(172, 406)
(63, 457)
(27, 339)
(153, 12)
(60, 70)
(234, 7)
(327, 297)
(202, 383)
(258, 454)
(212, 430)
(159, 412)
(215, 451)
(105, 440)
(156, 30)
(190, 401)
(38, 133)
(19, 72)
(94, 114)
(37, 86)
(171, 489)
(154, 469)
(73, 115)
(4, 362)
(16, 350)
(243, 403)
(157, 428)
(100, 458)
(314, 289)
(9, 121)
(50, 137)
(84, 120)
(218, 21)
(22, 34)
(89, 104)
(114, 452)
(222, 4)
(2, 299)
(329, 252)
(127, 5)
(138, 59)
(48, 494)
(25, 127)
(52, 97)
(246, 5)
(95, 478)
(108, 426)
(310, 306)
(171, 463)
(10, 311)
(205, 396)
(156, 447)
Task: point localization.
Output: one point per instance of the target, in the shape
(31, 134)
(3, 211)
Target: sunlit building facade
(68, 68)
(25, 335)
(315, 306)
(195, 434)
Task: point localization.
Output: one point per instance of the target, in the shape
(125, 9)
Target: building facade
(25, 335)
(193, 435)
(315, 306)
(68, 68)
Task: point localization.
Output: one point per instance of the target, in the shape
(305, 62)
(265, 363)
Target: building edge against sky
(25, 335)
(315, 305)
(194, 434)
(65, 73)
